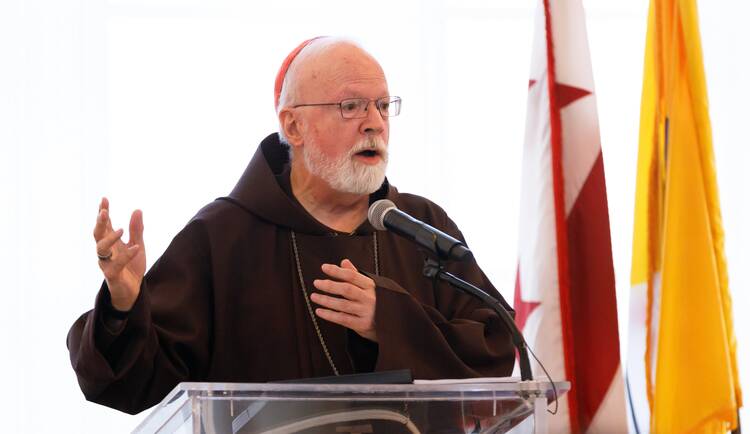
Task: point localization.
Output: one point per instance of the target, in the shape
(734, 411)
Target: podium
(489, 405)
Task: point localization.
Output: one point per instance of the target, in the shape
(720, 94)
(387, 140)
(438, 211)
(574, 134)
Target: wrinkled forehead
(339, 70)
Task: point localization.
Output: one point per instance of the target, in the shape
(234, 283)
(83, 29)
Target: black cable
(554, 389)
(433, 269)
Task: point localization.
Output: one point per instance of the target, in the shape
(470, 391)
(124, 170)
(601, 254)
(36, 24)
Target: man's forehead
(343, 61)
(368, 88)
(344, 76)
(345, 86)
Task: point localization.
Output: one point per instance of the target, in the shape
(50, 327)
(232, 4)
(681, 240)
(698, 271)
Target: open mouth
(368, 153)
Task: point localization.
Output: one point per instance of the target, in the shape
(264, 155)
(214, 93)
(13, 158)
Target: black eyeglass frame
(395, 100)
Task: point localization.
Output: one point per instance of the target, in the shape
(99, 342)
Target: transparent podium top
(489, 404)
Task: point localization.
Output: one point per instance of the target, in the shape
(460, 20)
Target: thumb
(136, 228)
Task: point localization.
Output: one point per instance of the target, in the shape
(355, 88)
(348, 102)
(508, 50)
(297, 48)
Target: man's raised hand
(123, 264)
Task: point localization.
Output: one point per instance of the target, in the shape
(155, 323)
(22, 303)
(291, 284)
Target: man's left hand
(355, 306)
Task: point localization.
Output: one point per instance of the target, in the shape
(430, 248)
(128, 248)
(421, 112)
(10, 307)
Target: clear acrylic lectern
(462, 406)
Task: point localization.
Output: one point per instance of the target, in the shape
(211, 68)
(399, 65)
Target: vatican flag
(682, 369)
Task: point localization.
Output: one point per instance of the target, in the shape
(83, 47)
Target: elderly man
(285, 278)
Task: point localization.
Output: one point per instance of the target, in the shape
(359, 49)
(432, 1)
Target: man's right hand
(123, 264)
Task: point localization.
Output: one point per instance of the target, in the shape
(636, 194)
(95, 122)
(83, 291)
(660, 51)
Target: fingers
(344, 289)
(338, 304)
(104, 245)
(340, 318)
(104, 204)
(103, 224)
(356, 310)
(347, 274)
(117, 258)
(114, 266)
(136, 228)
(356, 301)
(345, 263)
(122, 260)
(362, 325)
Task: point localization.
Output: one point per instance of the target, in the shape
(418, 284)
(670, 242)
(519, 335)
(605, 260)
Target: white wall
(159, 104)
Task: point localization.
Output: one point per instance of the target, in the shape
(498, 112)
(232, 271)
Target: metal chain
(375, 252)
(307, 298)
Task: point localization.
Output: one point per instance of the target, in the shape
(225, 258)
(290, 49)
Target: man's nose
(374, 122)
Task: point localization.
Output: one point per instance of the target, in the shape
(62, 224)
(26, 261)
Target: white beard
(345, 174)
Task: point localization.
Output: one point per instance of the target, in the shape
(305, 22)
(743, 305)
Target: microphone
(383, 215)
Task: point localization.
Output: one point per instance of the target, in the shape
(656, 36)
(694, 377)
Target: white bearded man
(285, 278)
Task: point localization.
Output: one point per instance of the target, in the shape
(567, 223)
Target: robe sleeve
(163, 339)
(453, 335)
(472, 343)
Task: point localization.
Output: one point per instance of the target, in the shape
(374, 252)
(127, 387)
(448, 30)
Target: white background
(159, 104)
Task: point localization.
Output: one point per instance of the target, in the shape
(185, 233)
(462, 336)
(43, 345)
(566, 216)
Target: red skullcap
(285, 67)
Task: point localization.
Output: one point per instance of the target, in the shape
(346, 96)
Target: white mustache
(376, 144)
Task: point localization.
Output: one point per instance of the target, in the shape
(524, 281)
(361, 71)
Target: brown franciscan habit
(224, 302)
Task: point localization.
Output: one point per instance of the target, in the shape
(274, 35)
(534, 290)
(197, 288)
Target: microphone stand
(434, 270)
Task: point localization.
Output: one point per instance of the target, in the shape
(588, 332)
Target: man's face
(351, 155)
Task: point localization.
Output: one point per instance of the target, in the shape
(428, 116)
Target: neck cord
(307, 297)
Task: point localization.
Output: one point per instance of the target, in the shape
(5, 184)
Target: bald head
(321, 65)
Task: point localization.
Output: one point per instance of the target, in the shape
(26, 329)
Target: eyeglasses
(356, 108)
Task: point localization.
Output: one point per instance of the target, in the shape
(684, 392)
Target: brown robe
(224, 302)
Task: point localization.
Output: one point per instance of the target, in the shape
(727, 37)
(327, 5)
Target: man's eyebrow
(354, 90)
(351, 93)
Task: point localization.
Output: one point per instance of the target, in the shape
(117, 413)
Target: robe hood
(259, 192)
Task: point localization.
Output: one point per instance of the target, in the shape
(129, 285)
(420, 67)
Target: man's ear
(291, 127)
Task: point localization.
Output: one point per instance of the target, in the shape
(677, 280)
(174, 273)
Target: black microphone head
(377, 212)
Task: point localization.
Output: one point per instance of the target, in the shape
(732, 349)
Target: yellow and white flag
(682, 369)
